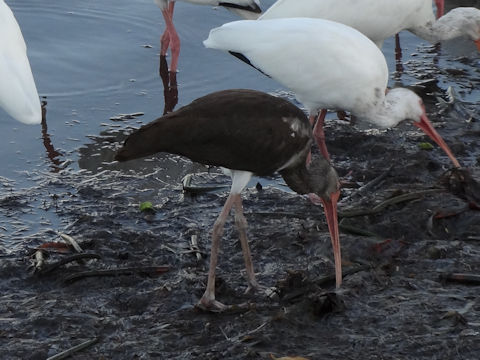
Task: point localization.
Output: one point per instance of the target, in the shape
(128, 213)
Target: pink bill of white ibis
(18, 93)
(247, 9)
(379, 20)
(327, 65)
(248, 132)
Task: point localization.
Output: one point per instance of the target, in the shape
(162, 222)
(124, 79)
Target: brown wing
(237, 129)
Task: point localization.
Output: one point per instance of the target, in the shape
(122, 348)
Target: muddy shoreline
(394, 303)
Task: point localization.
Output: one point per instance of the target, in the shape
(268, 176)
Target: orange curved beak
(477, 42)
(428, 129)
(330, 209)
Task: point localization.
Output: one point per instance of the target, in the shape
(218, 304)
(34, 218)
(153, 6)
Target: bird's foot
(212, 305)
(254, 286)
(269, 292)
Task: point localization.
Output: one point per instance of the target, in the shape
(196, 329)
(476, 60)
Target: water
(93, 60)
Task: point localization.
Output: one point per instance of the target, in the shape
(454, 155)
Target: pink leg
(208, 301)
(174, 40)
(241, 223)
(440, 7)
(165, 39)
(319, 134)
(164, 42)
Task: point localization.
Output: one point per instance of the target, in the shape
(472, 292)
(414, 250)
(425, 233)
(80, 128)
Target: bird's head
(135, 146)
(405, 104)
(323, 181)
(463, 21)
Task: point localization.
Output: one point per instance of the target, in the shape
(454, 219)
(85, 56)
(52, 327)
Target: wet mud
(410, 246)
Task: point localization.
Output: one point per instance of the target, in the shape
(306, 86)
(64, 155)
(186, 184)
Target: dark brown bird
(247, 132)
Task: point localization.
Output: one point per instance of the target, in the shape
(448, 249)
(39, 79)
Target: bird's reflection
(170, 89)
(398, 58)
(52, 154)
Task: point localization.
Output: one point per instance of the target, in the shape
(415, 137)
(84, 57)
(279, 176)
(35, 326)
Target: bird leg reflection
(170, 88)
(398, 58)
(52, 154)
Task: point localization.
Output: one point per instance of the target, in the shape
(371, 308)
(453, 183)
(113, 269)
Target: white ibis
(247, 9)
(327, 65)
(18, 93)
(248, 132)
(379, 20)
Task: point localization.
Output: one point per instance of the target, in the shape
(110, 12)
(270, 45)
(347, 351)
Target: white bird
(327, 65)
(379, 20)
(247, 9)
(18, 93)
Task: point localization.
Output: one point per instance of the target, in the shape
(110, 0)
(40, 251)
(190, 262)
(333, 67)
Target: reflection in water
(52, 154)
(170, 89)
(398, 58)
(98, 156)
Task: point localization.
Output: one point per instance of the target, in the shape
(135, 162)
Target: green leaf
(146, 206)
(425, 146)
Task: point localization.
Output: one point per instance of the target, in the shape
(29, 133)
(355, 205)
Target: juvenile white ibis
(327, 65)
(18, 93)
(379, 20)
(247, 9)
(248, 132)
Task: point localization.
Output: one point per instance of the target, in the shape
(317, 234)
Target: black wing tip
(246, 61)
(254, 8)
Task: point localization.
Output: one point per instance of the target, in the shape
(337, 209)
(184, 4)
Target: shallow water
(94, 60)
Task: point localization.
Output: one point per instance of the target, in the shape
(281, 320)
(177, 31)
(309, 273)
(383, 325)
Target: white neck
(457, 22)
(399, 104)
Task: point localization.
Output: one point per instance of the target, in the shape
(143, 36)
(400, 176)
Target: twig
(67, 260)
(370, 184)
(391, 201)
(194, 247)
(350, 271)
(74, 349)
(238, 337)
(39, 260)
(145, 270)
(355, 230)
(280, 214)
(470, 279)
(71, 241)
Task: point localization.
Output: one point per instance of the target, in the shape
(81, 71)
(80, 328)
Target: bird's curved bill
(330, 208)
(477, 42)
(428, 129)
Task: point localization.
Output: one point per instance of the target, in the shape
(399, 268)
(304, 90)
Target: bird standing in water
(18, 93)
(327, 65)
(247, 9)
(379, 20)
(247, 132)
